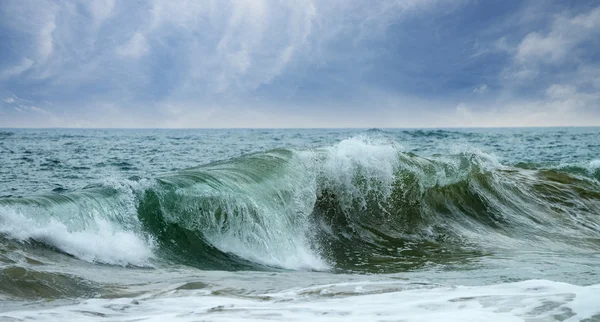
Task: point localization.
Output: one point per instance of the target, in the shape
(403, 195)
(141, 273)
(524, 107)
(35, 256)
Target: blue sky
(299, 63)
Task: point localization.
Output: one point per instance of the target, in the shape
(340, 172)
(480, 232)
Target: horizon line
(298, 128)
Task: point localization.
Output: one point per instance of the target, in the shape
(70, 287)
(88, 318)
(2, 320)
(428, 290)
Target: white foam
(375, 158)
(534, 300)
(294, 254)
(282, 237)
(100, 241)
(488, 161)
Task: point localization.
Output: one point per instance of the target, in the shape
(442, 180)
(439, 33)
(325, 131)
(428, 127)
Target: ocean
(300, 224)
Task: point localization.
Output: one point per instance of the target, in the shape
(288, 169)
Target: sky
(299, 63)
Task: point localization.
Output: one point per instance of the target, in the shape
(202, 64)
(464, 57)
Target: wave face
(360, 205)
(256, 208)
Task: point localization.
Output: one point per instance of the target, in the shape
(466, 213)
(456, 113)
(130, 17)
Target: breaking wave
(360, 205)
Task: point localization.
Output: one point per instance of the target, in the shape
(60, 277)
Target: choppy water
(381, 225)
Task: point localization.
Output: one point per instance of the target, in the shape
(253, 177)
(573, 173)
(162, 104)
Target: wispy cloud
(287, 63)
(482, 89)
(565, 44)
(136, 47)
(558, 44)
(18, 69)
(100, 10)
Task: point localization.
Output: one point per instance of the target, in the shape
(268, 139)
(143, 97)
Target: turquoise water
(337, 224)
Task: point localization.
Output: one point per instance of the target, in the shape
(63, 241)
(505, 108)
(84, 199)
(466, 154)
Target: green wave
(362, 205)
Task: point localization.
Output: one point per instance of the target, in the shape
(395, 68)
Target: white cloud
(561, 105)
(100, 10)
(248, 43)
(588, 20)
(502, 45)
(136, 47)
(549, 48)
(46, 40)
(229, 45)
(556, 45)
(482, 89)
(30, 108)
(36, 109)
(569, 98)
(9, 100)
(566, 92)
(520, 74)
(234, 46)
(35, 23)
(558, 91)
(18, 69)
(219, 52)
(252, 50)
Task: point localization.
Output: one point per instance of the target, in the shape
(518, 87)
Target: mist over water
(98, 219)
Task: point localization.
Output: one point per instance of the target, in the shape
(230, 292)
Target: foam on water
(276, 208)
(298, 257)
(374, 158)
(533, 300)
(99, 242)
(432, 212)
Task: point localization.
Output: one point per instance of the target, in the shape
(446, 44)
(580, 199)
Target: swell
(584, 169)
(24, 283)
(454, 209)
(360, 205)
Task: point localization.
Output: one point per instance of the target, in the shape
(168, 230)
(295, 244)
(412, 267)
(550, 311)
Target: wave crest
(362, 204)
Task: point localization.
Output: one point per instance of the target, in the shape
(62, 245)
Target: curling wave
(361, 205)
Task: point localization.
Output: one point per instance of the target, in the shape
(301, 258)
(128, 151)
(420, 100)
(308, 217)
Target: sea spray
(362, 204)
(471, 224)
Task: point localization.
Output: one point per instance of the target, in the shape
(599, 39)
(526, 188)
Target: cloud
(320, 63)
(482, 89)
(30, 108)
(561, 105)
(568, 98)
(551, 67)
(9, 100)
(561, 42)
(18, 69)
(557, 91)
(46, 40)
(551, 48)
(136, 47)
(245, 44)
(31, 26)
(520, 74)
(100, 9)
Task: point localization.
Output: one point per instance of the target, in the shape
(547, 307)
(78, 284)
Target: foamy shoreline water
(533, 300)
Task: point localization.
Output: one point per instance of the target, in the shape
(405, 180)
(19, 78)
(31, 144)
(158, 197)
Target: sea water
(300, 224)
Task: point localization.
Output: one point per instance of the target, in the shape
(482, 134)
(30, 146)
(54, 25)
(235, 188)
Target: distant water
(320, 225)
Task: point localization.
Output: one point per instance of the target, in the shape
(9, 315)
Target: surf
(361, 205)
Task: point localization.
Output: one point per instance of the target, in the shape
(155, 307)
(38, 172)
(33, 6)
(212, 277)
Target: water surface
(412, 225)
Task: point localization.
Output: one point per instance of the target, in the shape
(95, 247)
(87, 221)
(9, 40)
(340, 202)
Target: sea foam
(533, 300)
(99, 242)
